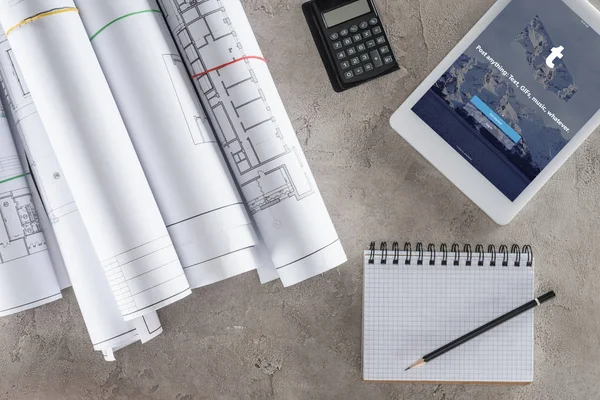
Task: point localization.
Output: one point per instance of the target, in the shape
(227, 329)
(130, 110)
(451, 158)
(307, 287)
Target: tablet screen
(519, 93)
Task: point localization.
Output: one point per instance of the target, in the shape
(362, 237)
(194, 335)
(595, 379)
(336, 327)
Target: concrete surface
(239, 339)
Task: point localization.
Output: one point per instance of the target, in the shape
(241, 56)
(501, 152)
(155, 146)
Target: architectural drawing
(27, 275)
(267, 167)
(20, 232)
(172, 137)
(127, 283)
(251, 124)
(107, 329)
(24, 113)
(116, 221)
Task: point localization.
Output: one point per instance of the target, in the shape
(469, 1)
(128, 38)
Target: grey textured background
(238, 339)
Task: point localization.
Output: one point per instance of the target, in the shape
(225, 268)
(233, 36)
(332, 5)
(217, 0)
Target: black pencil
(490, 325)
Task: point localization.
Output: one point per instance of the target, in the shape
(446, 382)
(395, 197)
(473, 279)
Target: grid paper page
(412, 310)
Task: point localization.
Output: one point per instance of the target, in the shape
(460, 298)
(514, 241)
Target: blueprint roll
(516, 256)
(197, 197)
(27, 276)
(255, 133)
(96, 155)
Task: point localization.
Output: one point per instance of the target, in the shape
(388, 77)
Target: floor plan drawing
(267, 168)
(20, 231)
(239, 95)
(44, 166)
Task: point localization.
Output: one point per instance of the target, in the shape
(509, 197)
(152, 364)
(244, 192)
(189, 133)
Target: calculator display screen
(346, 13)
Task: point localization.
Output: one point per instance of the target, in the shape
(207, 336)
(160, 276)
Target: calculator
(351, 41)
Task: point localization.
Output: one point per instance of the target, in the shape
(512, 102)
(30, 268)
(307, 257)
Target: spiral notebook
(417, 300)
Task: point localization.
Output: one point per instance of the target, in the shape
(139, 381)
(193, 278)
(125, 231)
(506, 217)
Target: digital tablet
(511, 102)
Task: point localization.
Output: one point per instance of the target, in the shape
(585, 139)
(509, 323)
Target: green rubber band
(120, 18)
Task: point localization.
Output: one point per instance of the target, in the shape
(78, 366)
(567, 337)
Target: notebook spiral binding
(455, 255)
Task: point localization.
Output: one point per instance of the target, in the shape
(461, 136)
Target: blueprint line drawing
(116, 204)
(18, 99)
(122, 271)
(228, 64)
(27, 275)
(21, 234)
(256, 135)
(170, 132)
(107, 329)
(267, 167)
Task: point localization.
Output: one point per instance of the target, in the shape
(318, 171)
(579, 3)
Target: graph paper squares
(411, 310)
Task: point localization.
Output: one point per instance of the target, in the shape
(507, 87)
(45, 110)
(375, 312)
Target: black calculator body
(351, 41)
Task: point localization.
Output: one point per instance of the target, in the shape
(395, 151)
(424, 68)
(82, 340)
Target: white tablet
(511, 102)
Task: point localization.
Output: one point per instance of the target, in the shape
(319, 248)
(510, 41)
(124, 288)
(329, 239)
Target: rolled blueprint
(107, 329)
(27, 277)
(190, 180)
(95, 153)
(255, 132)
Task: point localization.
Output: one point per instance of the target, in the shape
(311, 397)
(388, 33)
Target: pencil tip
(417, 363)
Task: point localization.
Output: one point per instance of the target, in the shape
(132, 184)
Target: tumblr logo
(556, 53)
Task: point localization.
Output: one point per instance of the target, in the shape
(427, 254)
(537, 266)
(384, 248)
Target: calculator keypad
(361, 48)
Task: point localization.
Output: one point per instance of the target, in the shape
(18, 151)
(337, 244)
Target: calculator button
(373, 21)
(388, 59)
(347, 42)
(344, 32)
(354, 29)
(345, 65)
(384, 50)
(355, 61)
(368, 67)
(337, 45)
(364, 57)
(361, 47)
(341, 55)
(348, 75)
(364, 25)
(357, 37)
(367, 34)
(380, 40)
(377, 30)
(358, 71)
(376, 58)
(371, 44)
(351, 51)
(334, 36)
